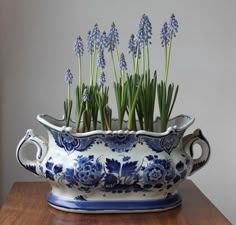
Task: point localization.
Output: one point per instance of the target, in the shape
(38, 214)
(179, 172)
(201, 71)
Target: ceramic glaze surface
(114, 171)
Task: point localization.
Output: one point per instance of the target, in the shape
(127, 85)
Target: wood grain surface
(26, 204)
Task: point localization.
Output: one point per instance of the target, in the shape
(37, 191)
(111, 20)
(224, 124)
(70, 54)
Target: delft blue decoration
(114, 171)
(121, 175)
(116, 176)
(165, 143)
(158, 171)
(120, 142)
(169, 142)
(71, 143)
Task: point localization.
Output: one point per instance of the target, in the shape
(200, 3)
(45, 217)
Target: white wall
(36, 48)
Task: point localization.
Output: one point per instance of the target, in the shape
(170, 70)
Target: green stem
(93, 65)
(168, 57)
(136, 61)
(80, 72)
(114, 67)
(148, 59)
(166, 63)
(96, 77)
(131, 117)
(133, 59)
(91, 69)
(117, 53)
(68, 94)
(143, 56)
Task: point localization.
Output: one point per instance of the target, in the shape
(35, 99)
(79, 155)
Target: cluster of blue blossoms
(99, 41)
(142, 38)
(68, 77)
(169, 31)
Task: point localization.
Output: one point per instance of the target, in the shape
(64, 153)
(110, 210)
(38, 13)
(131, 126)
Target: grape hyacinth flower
(104, 41)
(78, 47)
(68, 101)
(147, 28)
(113, 37)
(140, 36)
(68, 76)
(101, 60)
(122, 63)
(169, 30)
(165, 37)
(93, 38)
(144, 31)
(102, 79)
(173, 25)
(89, 43)
(133, 46)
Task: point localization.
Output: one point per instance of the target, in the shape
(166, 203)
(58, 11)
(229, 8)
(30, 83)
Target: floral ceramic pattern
(114, 170)
(117, 176)
(120, 142)
(117, 143)
(169, 142)
(71, 143)
(158, 171)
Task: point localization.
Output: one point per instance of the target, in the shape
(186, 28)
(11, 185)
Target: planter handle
(23, 158)
(188, 143)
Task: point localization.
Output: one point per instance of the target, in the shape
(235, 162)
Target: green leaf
(173, 102)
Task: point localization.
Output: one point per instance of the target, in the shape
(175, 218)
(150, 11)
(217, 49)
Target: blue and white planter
(114, 171)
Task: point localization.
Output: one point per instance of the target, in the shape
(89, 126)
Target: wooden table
(26, 204)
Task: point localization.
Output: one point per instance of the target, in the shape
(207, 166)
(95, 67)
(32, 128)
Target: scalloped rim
(45, 120)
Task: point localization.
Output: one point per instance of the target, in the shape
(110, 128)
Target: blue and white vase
(114, 171)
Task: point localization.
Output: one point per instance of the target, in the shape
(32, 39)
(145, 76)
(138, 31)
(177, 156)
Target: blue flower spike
(101, 60)
(93, 39)
(165, 38)
(173, 25)
(89, 43)
(102, 79)
(145, 31)
(78, 47)
(104, 41)
(68, 77)
(122, 63)
(113, 37)
(131, 45)
(169, 31)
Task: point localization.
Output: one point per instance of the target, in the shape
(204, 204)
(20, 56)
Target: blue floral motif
(169, 142)
(116, 176)
(129, 169)
(153, 143)
(121, 176)
(113, 166)
(69, 177)
(52, 169)
(88, 173)
(126, 158)
(120, 143)
(153, 174)
(69, 142)
(157, 171)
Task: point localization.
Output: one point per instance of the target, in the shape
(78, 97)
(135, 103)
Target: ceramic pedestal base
(115, 206)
